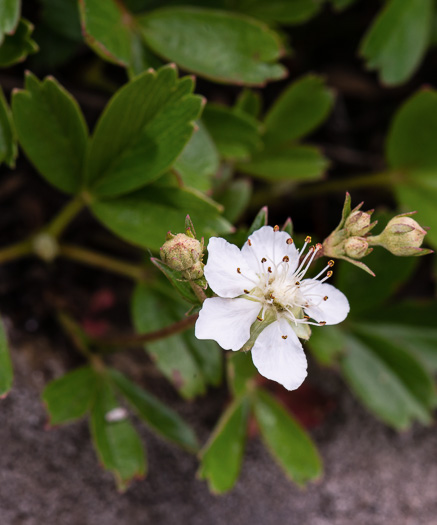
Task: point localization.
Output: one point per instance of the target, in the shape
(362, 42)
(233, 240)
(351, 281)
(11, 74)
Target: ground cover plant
(175, 145)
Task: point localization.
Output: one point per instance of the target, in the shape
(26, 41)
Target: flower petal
(278, 355)
(226, 271)
(272, 245)
(333, 310)
(227, 321)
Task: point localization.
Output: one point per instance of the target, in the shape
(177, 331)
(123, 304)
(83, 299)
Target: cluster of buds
(184, 253)
(351, 240)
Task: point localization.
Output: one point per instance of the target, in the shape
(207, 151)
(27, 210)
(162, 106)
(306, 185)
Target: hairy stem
(15, 251)
(99, 260)
(56, 227)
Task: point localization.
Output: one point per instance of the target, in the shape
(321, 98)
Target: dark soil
(373, 476)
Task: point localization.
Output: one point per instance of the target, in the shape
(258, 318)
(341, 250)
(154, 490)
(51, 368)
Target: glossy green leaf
(397, 40)
(142, 131)
(289, 444)
(108, 29)
(221, 457)
(117, 443)
(8, 142)
(71, 396)
(52, 131)
(297, 163)
(199, 160)
(227, 47)
(281, 11)
(235, 199)
(327, 344)
(389, 381)
(145, 216)
(240, 372)
(157, 415)
(301, 108)
(18, 45)
(177, 281)
(208, 355)
(6, 372)
(260, 220)
(236, 134)
(152, 310)
(9, 17)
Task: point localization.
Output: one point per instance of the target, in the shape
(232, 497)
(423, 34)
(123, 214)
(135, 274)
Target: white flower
(264, 303)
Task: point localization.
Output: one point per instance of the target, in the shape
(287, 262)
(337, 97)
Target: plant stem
(139, 339)
(91, 258)
(65, 216)
(200, 294)
(15, 251)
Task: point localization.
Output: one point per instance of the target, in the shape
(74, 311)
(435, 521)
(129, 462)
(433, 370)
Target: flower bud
(358, 223)
(356, 247)
(184, 254)
(402, 236)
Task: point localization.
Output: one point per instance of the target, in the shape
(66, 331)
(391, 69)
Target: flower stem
(15, 251)
(91, 258)
(200, 294)
(56, 227)
(111, 344)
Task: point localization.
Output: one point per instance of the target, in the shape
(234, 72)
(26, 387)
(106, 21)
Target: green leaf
(297, 163)
(158, 416)
(227, 47)
(397, 40)
(117, 443)
(18, 45)
(8, 141)
(108, 29)
(145, 217)
(71, 396)
(339, 5)
(260, 220)
(287, 12)
(52, 131)
(221, 457)
(152, 310)
(142, 131)
(327, 344)
(208, 355)
(62, 17)
(240, 372)
(177, 281)
(6, 372)
(249, 102)
(236, 134)
(199, 160)
(235, 199)
(389, 381)
(289, 444)
(301, 108)
(9, 17)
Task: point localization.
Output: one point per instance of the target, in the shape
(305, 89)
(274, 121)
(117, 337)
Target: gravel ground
(373, 476)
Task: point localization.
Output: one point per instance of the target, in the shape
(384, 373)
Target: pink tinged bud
(358, 223)
(184, 254)
(356, 247)
(403, 236)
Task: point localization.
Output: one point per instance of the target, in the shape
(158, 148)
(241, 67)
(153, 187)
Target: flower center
(281, 287)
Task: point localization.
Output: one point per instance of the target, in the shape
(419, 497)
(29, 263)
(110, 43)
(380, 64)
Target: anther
(329, 274)
(272, 296)
(308, 239)
(297, 283)
(238, 270)
(269, 269)
(318, 246)
(325, 298)
(289, 241)
(322, 323)
(276, 228)
(263, 260)
(306, 316)
(249, 242)
(331, 263)
(284, 336)
(285, 258)
(247, 291)
(260, 319)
